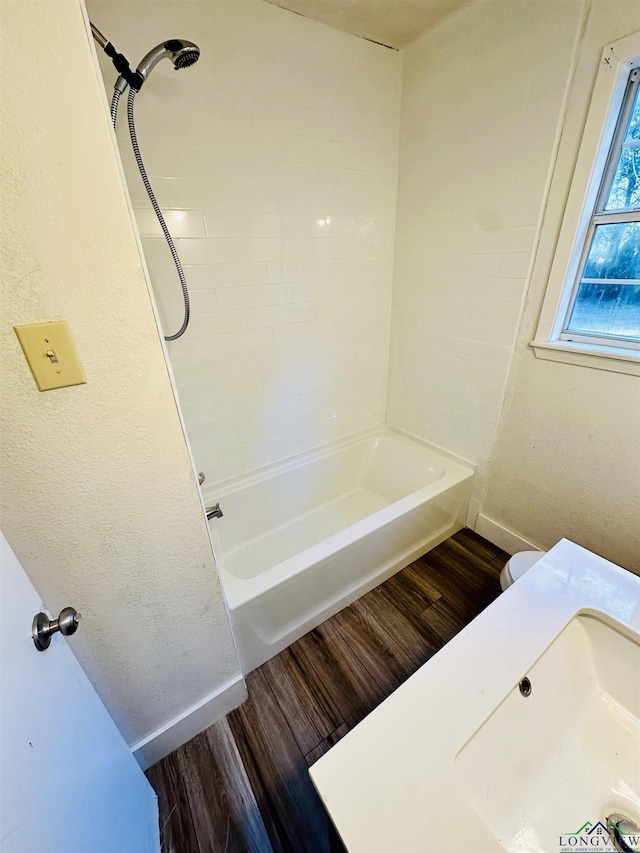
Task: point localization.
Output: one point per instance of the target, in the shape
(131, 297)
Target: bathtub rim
(240, 591)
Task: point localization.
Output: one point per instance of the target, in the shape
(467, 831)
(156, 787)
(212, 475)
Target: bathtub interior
(271, 519)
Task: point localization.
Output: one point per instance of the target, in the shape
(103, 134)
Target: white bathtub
(304, 538)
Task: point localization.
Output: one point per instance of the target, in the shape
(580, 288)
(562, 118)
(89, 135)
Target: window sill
(586, 355)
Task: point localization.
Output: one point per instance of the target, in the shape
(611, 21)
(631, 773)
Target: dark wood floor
(243, 785)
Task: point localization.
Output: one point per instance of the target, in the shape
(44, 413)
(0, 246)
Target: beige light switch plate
(51, 354)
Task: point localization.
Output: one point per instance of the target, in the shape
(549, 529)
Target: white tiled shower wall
(274, 159)
(481, 100)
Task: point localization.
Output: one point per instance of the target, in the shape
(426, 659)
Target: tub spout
(214, 512)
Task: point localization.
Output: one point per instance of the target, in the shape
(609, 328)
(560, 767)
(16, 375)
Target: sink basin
(546, 768)
(457, 759)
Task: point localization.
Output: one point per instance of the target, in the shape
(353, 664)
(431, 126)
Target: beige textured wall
(480, 103)
(99, 500)
(566, 461)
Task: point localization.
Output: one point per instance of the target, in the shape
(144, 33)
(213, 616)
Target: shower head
(181, 52)
(187, 54)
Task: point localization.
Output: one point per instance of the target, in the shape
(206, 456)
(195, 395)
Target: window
(591, 311)
(605, 303)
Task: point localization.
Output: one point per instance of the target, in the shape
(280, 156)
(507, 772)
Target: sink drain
(525, 687)
(624, 832)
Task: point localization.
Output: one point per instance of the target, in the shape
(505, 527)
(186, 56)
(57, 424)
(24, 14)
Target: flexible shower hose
(156, 207)
(115, 100)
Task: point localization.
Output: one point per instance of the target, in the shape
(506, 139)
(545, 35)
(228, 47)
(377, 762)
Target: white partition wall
(99, 497)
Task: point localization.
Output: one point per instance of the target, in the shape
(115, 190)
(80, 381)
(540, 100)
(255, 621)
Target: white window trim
(617, 61)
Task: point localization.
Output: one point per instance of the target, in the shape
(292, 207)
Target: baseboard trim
(501, 536)
(190, 723)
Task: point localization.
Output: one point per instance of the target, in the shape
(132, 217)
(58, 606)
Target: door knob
(43, 627)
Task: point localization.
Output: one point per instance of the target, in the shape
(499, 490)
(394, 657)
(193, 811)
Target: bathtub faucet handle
(214, 512)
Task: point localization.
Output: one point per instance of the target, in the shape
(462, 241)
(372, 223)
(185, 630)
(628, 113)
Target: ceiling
(395, 23)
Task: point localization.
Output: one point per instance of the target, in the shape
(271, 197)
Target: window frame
(596, 156)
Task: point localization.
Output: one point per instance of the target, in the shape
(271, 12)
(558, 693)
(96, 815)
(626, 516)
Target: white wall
(566, 461)
(99, 499)
(480, 105)
(275, 159)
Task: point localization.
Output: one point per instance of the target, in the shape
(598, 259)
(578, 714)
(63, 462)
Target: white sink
(541, 767)
(458, 760)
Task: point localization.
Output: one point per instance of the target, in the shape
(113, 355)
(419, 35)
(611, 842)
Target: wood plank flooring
(242, 785)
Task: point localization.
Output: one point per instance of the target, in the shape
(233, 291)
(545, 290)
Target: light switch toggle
(51, 355)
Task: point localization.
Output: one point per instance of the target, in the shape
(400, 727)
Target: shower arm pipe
(120, 62)
(102, 40)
